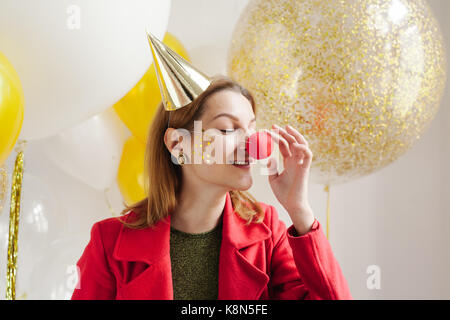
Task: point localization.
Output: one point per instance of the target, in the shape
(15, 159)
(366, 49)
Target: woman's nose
(245, 135)
(259, 145)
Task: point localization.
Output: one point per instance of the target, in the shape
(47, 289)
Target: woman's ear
(173, 139)
(177, 140)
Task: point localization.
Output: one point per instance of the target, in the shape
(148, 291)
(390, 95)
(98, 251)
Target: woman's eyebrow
(230, 116)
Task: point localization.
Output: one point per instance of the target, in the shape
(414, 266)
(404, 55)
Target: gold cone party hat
(180, 82)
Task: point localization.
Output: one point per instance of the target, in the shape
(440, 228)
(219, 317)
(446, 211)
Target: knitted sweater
(195, 263)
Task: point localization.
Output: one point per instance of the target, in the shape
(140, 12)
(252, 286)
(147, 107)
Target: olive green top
(195, 263)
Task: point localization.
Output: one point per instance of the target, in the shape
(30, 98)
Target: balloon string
(3, 186)
(16, 190)
(327, 190)
(113, 213)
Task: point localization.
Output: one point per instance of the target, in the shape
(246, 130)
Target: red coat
(259, 261)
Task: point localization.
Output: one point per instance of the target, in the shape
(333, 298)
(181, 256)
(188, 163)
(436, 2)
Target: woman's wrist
(303, 219)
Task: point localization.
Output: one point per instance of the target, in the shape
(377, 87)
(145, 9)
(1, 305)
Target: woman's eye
(227, 130)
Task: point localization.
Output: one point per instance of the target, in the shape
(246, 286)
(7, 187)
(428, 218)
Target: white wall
(397, 218)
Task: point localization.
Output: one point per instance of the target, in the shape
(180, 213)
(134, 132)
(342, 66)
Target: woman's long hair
(163, 177)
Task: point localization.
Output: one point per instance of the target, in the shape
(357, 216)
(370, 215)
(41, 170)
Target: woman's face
(218, 141)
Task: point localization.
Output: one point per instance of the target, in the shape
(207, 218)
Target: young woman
(199, 234)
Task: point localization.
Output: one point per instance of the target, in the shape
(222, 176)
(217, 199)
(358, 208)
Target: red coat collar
(236, 272)
(150, 244)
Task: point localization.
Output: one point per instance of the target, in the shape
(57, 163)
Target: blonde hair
(164, 177)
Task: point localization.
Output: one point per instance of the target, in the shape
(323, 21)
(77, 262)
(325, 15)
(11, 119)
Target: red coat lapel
(242, 261)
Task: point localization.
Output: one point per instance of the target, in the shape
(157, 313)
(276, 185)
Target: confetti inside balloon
(361, 80)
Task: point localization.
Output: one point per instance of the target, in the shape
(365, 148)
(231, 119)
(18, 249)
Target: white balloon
(76, 207)
(211, 59)
(219, 25)
(41, 221)
(81, 204)
(55, 274)
(76, 58)
(207, 50)
(90, 151)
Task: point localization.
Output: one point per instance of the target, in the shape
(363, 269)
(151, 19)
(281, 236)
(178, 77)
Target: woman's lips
(240, 166)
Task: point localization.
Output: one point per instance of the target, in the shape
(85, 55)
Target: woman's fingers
(298, 145)
(300, 138)
(291, 139)
(292, 143)
(303, 152)
(272, 165)
(285, 134)
(282, 143)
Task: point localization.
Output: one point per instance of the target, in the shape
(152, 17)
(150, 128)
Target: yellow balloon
(11, 107)
(361, 80)
(130, 176)
(138, 106)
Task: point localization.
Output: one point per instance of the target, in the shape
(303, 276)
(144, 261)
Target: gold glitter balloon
(361, 80)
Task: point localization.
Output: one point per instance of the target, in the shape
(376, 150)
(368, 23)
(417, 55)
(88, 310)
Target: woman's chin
(243, 185)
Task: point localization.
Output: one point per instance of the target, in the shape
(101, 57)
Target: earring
(181, 158)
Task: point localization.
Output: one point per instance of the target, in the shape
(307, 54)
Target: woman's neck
(198, 211)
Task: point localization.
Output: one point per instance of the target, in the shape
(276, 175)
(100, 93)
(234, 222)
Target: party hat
(180, 82)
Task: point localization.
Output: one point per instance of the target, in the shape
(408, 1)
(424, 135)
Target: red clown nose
(259, 145)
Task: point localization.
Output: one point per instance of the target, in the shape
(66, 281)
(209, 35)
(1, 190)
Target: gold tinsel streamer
(3, 184)
(327, 190)
(16, 189)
